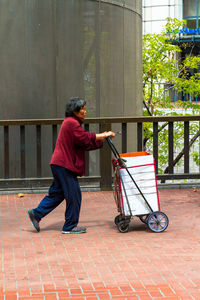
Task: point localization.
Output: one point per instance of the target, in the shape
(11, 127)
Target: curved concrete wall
(52, 50)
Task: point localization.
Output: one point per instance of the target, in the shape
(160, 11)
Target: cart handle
(120, 160)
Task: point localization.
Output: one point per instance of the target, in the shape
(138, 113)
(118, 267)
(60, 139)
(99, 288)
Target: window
(191, 24)
(191, 13)
(190, 8)
(160, 13)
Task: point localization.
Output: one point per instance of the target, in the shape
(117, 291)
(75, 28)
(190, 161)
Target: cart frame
(157, 221)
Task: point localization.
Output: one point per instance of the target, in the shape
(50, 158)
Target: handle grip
(120, 160)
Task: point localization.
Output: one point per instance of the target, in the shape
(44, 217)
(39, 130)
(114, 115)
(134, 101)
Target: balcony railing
(21, 142)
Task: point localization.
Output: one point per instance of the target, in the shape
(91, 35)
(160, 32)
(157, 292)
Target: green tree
(162, 67)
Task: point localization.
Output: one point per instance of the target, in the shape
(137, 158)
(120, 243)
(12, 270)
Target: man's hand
(104, 135)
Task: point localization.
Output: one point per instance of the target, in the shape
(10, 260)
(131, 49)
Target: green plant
(162, 67)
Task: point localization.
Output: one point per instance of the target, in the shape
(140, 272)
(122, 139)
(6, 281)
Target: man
(68, 162)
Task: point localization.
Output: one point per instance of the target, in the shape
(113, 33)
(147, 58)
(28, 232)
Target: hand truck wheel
(123, 226)
(157, 221)
(118, 219)
(144, 218)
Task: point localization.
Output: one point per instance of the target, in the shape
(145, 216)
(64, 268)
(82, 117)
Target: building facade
(155, 13)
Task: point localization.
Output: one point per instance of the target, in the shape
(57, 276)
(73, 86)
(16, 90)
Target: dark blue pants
(65, 186)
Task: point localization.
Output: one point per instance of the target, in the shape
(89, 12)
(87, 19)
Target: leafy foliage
(162, 67)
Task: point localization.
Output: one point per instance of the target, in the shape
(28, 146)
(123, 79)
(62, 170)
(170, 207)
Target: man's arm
(89, 140)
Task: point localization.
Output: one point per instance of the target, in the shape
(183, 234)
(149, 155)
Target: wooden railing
(8, 180)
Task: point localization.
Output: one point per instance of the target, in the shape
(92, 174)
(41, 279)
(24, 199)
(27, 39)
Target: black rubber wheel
(157, 221)
(123, 226)
(118, 219)
(144, 218)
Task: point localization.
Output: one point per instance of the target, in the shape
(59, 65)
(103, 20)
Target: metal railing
(8, 181)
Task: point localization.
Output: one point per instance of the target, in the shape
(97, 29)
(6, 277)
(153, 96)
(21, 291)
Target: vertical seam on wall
(97, 59)
(54, 10)
(123, 65)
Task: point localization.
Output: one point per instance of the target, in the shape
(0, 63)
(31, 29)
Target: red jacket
(71, 144)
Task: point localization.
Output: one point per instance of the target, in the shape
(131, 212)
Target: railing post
(86, 127)
(124, 137)
(155, 144)
(22, 151)
(6, 152)
(171, 147)
(54, 136)
(139, 136)
(39, 150)
(186, 147)
(105, 162)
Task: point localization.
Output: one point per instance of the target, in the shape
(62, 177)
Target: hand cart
(139, 196)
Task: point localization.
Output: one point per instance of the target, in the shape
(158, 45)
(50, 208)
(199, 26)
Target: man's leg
(72, 194)
(48, 203)
(73, 205)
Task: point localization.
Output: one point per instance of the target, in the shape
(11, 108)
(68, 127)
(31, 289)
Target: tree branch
(145, 140)
(180, 155)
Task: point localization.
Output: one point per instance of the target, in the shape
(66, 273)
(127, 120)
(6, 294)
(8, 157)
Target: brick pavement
(103, 263)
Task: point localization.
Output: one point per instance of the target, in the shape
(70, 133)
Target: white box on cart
(142, 169)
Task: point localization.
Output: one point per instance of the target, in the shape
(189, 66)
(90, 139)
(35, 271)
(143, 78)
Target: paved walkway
(103, 263)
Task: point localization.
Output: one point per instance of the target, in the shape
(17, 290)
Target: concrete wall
(52, 50)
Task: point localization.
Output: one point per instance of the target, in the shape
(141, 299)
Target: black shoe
(33, 220)
(75, 230)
